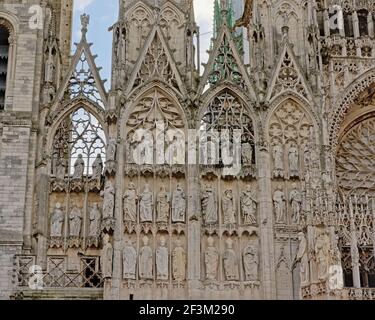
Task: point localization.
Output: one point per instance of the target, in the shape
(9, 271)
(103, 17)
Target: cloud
(81, 5)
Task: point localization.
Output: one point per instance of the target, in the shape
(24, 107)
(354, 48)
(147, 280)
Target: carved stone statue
(230, 262)
(295, 198)
(97, 167)
(228, 207)
(130, 203)
(111, 150)
(146, 204)
(106, 258)
(322, 248)
(61, 169)
(247, 154)
(94, 221)
(209, 206)
(79, 167)
(179, 262)
(129, 258)
(109, 200)
(49, 71)
(179, 205)
(303, 259)
(57, 221)
(251, 262)
(211, 260)
(249, 206)
(162, 261)
(75, 222)
(280, 206)
(278, 160)
(163, 205)
(293, 162)
(145, 261)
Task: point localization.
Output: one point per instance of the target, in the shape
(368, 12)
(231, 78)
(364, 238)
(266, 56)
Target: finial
(223, 6)
(85, 21)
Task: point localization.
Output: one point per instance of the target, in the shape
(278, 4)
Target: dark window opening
(348, 279)
(4, 53)
(363, 22)
(348, 25)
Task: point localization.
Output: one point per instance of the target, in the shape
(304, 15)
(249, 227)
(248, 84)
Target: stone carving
(279, 205)
(79, 167)
(57, 221)
(230, 262)
(278, 160)
(61, 169)
(49, 71)
(106, 258)
(249, 206)
(75, 222)
(179, 205)
(303, 259)
(162, 260)
(295, 198)
(130, 203)
(179, 262)
(209, 206)
(247, 154)
(145, 261)
(146, 204)
(322, 250)
(111, 150)
(109, 200)
(163, 205)
(293, 162)
(97, 168)
(94, 221)
(129, 261)
(228, 207)
(211, 260)
(251, 262)
(354, 169)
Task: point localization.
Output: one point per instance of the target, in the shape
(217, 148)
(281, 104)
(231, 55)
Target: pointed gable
(83, 79)
(156, 63)
(288, 76)
(225, 64)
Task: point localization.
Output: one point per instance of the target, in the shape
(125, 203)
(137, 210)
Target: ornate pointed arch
(226, 109)
(289, 121)
(357, 90)
(139, 11)
(81, 123)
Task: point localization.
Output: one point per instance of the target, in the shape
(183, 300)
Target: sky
(103, 14)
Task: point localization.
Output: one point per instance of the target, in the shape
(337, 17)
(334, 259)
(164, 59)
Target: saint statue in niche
(146, 205)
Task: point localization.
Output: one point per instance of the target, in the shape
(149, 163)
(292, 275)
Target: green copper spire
(226, 14)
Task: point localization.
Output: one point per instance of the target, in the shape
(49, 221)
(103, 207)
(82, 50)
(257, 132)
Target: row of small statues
(79, 168)
(293, 159)
(75, 221)
(145, 204)
(210, 206)
(280, 207)
(145, 261)
(250, 259)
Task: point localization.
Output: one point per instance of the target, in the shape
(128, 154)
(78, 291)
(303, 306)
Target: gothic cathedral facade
(236, 180)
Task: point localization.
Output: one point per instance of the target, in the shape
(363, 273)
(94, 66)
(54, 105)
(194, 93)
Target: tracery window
(4, 59)
(227, 112)
(355, 172)
(78, 135)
